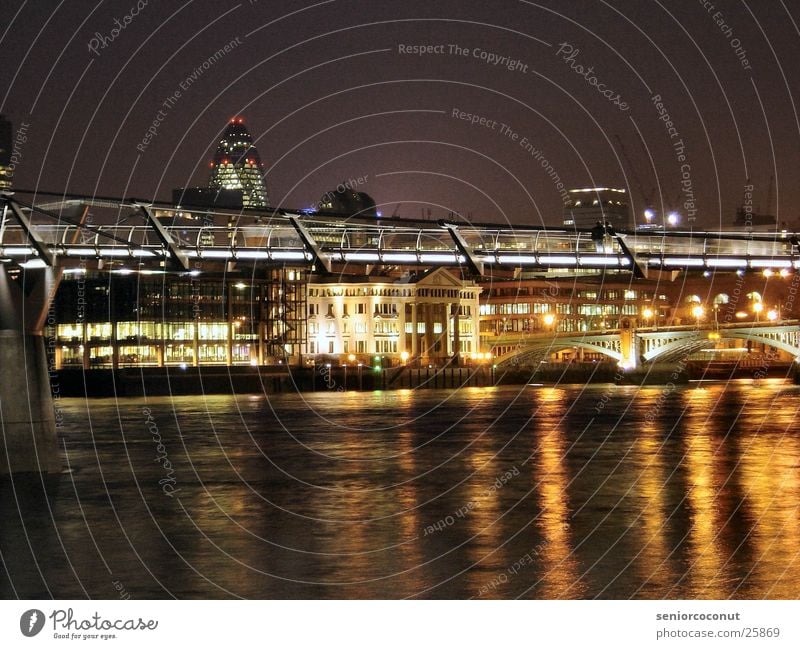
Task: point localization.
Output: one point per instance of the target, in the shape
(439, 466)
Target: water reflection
(492, 492)
(654, 560)
(560, 575)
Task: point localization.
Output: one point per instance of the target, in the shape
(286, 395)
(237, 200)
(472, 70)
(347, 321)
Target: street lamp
(647, 314)
(404, 357)
(698, 312)
(758, 307)
(549, 319)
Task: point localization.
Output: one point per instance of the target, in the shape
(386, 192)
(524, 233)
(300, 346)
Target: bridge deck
(274, 238)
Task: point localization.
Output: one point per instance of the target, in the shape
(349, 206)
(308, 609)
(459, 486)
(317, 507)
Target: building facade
(523, 306)
(429, 317)
(283, 315)
(132, 320)
(237, 166)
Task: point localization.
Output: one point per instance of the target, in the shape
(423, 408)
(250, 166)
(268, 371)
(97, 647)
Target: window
(330, 347)
(360, 308)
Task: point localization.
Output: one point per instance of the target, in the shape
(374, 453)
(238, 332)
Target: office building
(587, 206)
(136, 319)
(237, 166)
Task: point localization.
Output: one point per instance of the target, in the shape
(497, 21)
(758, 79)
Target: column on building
(456, 308)
(401, 324)
(427, 337)
(448, 306)
(414, 325)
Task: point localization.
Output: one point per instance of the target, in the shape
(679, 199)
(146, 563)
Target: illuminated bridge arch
(535, 349)
(671, 345)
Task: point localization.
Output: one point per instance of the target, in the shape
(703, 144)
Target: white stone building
(427, 317)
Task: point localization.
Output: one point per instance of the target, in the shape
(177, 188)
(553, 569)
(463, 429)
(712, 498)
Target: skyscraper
(6, 148)
(237, 165)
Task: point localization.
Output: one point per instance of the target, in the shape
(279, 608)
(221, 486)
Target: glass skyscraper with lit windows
(237, 165)
(138, 320)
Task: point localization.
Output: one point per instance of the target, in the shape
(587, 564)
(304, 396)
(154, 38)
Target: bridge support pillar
(28, 440)
(629, 347)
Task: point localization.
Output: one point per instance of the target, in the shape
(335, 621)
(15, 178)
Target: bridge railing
(341, 239)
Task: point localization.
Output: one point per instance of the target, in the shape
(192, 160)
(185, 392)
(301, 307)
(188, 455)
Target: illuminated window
(69, 331)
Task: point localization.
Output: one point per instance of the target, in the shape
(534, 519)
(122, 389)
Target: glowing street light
(649, 215)
(758, 307)
(673, 218)
(772, 315)
(549, 319)
(404, 356)
(698, 312)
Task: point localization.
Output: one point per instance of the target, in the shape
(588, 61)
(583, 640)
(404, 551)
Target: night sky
(331, 90)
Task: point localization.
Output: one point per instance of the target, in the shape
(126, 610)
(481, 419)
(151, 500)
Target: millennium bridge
(42, 235)
(43, 232)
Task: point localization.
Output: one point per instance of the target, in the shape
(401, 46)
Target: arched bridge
(635, 348)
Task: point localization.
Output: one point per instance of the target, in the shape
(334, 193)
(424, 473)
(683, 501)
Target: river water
(576, 491)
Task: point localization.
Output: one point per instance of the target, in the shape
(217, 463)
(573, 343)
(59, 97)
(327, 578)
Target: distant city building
(6, 148)
(749, 220)
(208, 197)
(587, 206)
(347, 201)
(238, 166)
(428, 317)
